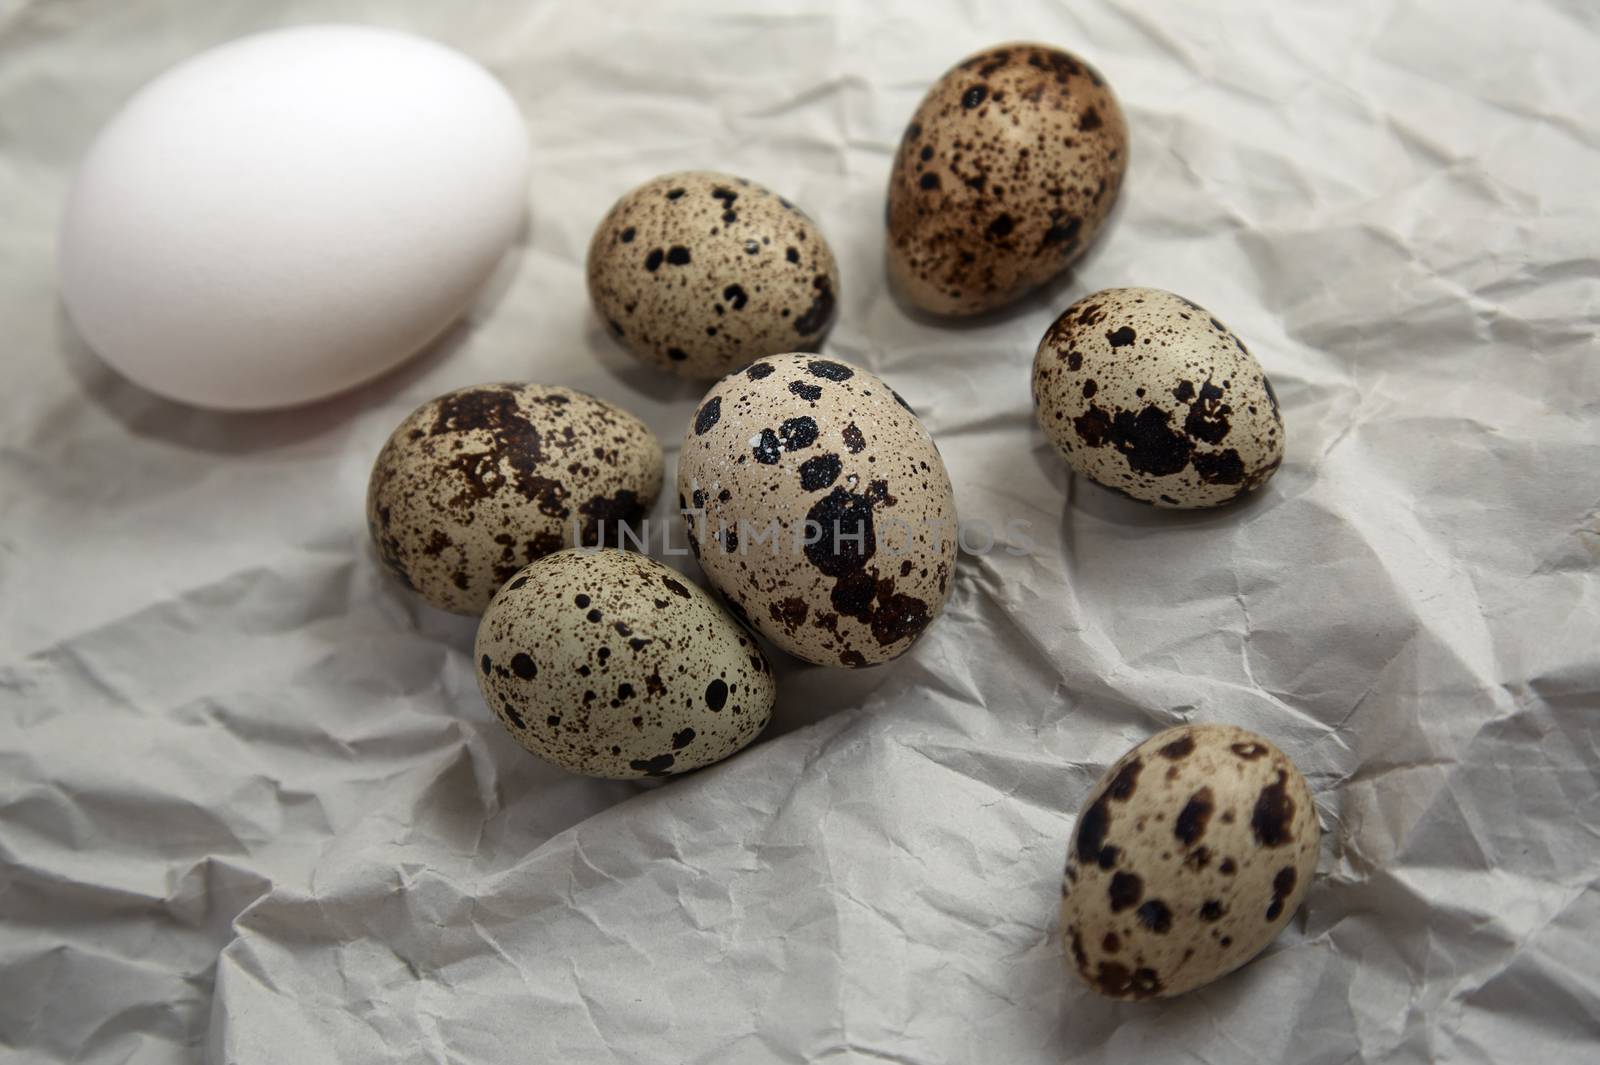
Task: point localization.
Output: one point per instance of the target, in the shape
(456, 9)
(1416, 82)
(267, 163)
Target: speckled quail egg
(1003, 178)
(819, 507)
(699, 273)
(610, 664)
(474, 485)
(1190, 856)
(1148, 394)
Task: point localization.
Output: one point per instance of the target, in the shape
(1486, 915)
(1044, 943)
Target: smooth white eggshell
(291, 214)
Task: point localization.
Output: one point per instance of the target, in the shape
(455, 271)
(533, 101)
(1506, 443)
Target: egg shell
(797, 438)
(1189, 857)
(1003, 178)
(610, 664)
(290, 214)
(476, 484)
(699, 273)
(1148, 394)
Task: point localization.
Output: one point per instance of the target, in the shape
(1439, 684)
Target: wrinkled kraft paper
(253, 810)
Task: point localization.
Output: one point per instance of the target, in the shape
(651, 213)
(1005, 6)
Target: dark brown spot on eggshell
(1282, 887)
(1273, 812)
(819, 315)
(1126, 782)
(1191, 822)
(819, 472)
(1178, 748)
(1125, 891)
(707, 416)
(717, 694)
(1207, 419)
(1156, 916)
(767, 449)
(1091, 832)
(653, 766)
(797, 434)
(832, 371)
(790, 613)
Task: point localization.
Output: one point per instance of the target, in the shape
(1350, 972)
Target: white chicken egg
(291, 214)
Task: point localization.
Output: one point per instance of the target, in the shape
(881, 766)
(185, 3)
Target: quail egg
(611, 664)
(1003, 178)
(1148, 394)
(476, 484)
(699, 273)
(819, 507)
(1191, 854)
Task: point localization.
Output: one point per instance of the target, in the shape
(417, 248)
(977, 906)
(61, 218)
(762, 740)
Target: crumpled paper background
(253, 810)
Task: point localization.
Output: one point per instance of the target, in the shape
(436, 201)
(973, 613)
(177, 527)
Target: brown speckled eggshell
(1191, 854)
(610, 664)
(1148, 394)
(801, 437)
(1003, 178)
(476, 484)
(699, 273)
